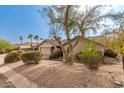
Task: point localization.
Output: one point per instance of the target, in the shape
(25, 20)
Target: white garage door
(45, 51)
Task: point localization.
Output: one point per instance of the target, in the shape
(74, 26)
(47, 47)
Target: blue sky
(18, 21)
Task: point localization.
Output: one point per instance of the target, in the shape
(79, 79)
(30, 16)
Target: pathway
(16, 79)
(4, 83)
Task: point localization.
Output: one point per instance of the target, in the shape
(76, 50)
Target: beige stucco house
(47, 45)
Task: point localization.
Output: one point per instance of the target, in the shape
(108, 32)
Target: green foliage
(19, 52)
(90, 56)
(30, 36)
(56, 53)
(21, 38)
(90, 50)
(11, 57)
(5, 46)
(36, 37)
(110, 53)
(32, 56)
(92, 62)
(117, 44)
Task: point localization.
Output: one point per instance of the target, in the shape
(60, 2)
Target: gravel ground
(55, 74)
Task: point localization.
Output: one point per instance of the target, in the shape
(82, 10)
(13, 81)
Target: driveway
(4, 83)
(2, 58)
(9, 78)
(3, 80)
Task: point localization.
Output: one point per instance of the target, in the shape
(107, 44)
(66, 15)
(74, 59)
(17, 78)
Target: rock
(54, 70)
(109, 60)
(118, 83)
(110, 72)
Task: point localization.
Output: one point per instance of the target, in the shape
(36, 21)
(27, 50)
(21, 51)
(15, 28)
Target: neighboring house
(28, 47)
(47, 46)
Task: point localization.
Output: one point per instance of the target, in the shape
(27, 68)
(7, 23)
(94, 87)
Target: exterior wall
(81, 45)
(45, 49)
(46, 44)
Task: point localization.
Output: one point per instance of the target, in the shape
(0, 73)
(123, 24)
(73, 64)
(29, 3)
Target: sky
(18, 21)
(21, 20)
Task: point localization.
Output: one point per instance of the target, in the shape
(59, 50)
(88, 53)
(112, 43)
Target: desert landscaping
(76, 47)
(55, 74)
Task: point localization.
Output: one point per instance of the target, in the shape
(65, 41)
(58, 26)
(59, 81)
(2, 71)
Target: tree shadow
(24, 67)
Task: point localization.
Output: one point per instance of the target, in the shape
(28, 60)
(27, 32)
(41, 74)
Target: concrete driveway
(2, 58)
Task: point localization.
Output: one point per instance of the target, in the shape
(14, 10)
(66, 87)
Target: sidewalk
(4, 83)
(16, 79)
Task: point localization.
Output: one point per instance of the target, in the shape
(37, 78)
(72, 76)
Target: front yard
(55, 74)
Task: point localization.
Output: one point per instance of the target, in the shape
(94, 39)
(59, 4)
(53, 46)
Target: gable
(46, 44)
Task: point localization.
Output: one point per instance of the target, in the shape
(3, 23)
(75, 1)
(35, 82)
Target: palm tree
(30, 36)
(36, 37)
(21, 39)
(41, 38)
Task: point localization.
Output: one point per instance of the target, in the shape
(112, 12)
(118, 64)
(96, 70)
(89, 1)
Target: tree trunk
(37, 42)
(31, 42)
(123, 62)
(67, 58)
(21, 42)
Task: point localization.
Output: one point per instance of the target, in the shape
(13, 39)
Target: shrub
(11, 57)
(56, 53)
(110, 53)
(5, 46)
(92, 62)
(91, 58)
(19, 52)
(31, 56)
(91, 51)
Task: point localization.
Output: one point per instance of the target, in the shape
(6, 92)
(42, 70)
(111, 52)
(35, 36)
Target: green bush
(5, 46)
(11, 57)
(56, 53)
(110, 53)
(19, 52)
(92, 62)
(91, 58)
(31, 57)
(91, 51)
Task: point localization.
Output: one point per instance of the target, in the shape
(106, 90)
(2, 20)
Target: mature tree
(117, 42)
(30, 36)
(21, 39)
(36, 37)
(73, 23)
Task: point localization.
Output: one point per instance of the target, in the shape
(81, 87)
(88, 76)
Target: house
(83, 43)
(47, 46)
(28, 47)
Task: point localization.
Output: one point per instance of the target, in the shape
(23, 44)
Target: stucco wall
(81, 45)
(46, 44)
(45, 49)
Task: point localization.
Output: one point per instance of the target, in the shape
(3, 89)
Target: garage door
(45, 51)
